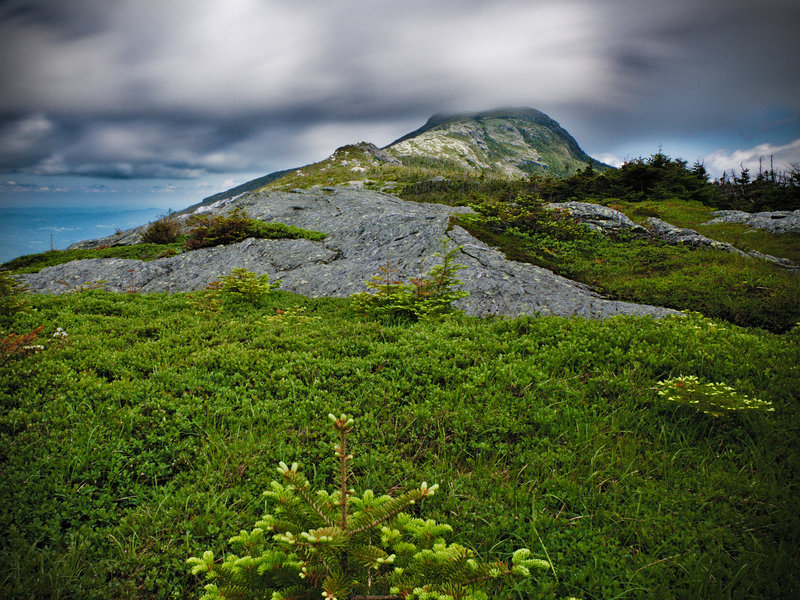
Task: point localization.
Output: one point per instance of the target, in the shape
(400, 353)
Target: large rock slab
(366, 230)
(777, 221)
(679, 236)
(602, 219)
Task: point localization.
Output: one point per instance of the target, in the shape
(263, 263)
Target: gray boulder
(689, 237)
(778, 221)
(600, 218)
(366, 230)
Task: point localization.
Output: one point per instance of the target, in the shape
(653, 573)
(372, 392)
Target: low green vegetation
(428, 296)
(349, 545)
(33, 263)
(214, 230)
(144, 432)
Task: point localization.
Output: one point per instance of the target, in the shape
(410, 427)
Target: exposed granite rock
(679, 236)
(365, 230)
(601, 218)
(504, 287)
(609, 221)
(124, 238)
(689, 237)
(778, 221)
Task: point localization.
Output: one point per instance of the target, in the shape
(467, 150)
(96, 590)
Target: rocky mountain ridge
(510, 142)
(366, 230)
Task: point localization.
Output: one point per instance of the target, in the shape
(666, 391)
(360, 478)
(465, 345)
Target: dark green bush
(11, 300)
(236, 226)
(163, 231)
(529, 215)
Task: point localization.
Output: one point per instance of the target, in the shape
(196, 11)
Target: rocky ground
(366, 230)
(777, 221)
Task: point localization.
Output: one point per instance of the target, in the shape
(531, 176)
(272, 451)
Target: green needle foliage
(11, 297)
(244, 285)
(344, 545)
(428, 296)
(713, 398)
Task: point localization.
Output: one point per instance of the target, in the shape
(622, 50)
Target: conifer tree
(348, 546)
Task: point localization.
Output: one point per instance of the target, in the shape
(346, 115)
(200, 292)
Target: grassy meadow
(643, 458)
(148, 434)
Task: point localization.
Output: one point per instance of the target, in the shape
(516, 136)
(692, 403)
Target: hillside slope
(366, 230)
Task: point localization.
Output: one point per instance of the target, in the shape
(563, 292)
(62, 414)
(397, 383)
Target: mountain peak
(441, 118)
(511, 141)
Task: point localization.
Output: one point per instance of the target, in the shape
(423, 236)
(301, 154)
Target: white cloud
(784, 157)
(146, 88)
(24, 138)
(610, 159)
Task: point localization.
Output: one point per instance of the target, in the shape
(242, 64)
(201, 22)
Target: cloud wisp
(764, 157)
(142, 89)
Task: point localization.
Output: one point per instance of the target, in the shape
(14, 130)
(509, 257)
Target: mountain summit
(510, 142)
(506, 143)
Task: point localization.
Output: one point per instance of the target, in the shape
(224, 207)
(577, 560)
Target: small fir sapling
(428, 296)
(349, 546)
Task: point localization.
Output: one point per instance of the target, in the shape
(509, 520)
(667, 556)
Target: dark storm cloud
(145, 88)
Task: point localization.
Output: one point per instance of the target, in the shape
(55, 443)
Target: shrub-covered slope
(149, 432)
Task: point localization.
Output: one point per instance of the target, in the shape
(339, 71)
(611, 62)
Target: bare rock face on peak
(510, 142)
(366, 230)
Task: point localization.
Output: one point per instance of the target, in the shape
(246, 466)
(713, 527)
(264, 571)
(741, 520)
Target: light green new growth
(711, 398)
(346, 546)
(428, 296)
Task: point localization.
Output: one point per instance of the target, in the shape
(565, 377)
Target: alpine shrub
(349, 546)
(429, 295)
(163, 231)
(237, 226)
(244, 285)
(11, 291)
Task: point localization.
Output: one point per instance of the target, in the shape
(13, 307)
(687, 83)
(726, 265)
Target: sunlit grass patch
(713, 398)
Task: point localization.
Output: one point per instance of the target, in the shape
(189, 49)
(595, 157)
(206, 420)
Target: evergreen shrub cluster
(165, 230)
(428, 296)
(236, 226)
(345, 545)
(244, 285)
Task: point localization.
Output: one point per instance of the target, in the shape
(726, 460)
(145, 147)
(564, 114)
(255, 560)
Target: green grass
(747, 292)
(33, 263)
(149, 433)
(694, 215)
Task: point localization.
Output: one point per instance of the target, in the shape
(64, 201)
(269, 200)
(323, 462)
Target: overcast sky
(196, 95)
